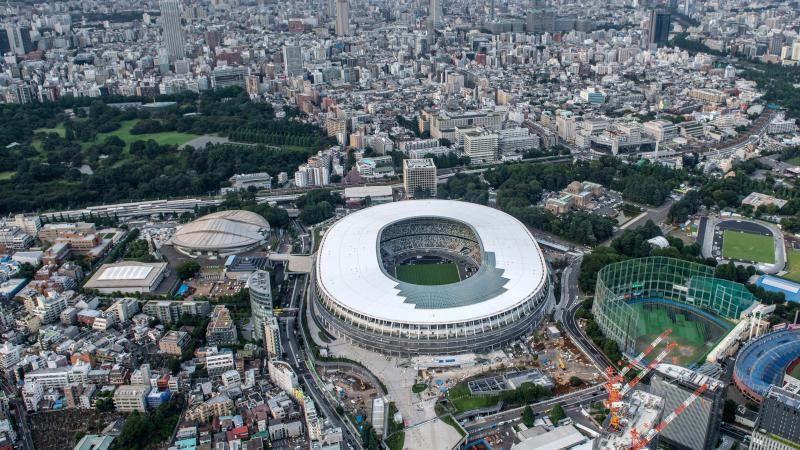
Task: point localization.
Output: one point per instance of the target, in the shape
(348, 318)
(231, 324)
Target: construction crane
(641, 441)
(656, 361)
(638, 359)
(615, 380)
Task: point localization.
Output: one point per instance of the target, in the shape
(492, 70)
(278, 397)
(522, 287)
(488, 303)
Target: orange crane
(615, 380)
(641, 441)
(638, 359)
(657, 360)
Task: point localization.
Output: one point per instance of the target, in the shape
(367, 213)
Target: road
(565, 313)
(598, 358)
(296, 357)
(584, 396)
(569, 285)
(19, 409)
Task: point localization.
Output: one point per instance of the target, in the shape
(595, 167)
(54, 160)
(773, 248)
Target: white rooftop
(780, 284)
(349, 266)
(125, 273)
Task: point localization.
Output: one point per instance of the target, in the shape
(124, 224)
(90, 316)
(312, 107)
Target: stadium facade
(763, 362)
(502, 293)
(629, 292)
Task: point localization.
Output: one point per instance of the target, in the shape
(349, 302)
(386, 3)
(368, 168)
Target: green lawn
(795, 161)
(7, 175)
(428, 274)
(165, 138)
(462, 400)
(396, 441)
(124, 133)
(795, 371)
(793, 269)
(59, 129)
(748, 247)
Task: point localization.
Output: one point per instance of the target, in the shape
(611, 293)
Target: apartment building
(419, 175)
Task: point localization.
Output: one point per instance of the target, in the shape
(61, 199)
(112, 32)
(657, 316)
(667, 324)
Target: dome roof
(223, 232)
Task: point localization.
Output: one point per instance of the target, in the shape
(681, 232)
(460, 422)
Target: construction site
(636, 418)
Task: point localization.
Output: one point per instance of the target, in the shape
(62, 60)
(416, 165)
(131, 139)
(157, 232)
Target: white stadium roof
(349, 269)
(222, 230)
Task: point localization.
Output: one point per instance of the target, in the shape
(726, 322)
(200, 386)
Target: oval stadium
(638, 299)
(222, 233)
(765, 360)
(429, 277)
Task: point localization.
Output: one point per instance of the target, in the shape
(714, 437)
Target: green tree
(575, 381)
(187, 269)
(557, 413)
(528, 416)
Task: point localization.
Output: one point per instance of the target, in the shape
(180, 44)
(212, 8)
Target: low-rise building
(260, 180)
(221, 328)
(127, 277)
(219, 362)
(131, 397)
(174, 342)
(221, 405)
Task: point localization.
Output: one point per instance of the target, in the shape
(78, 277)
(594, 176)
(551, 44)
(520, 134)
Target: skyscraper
(659, 27)
(171, 28)
(342, 18)
(19, 39)
(435, 12)
(5, 44)
(777, 427)
(260, 301)
(292, 60)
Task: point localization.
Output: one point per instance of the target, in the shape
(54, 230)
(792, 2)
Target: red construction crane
(641, 441)
(615, 379)
(638, 359)
(656, 361)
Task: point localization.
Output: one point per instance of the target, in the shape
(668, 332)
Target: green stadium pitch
(695, 335)
(428, 274)
(748, 247)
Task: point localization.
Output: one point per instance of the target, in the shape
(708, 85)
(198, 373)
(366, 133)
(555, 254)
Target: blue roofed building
(155, 398)
(790, 289)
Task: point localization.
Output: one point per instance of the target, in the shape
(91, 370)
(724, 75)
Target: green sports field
(428, 274)
(695, 336)
(748, 247)
(793, 270)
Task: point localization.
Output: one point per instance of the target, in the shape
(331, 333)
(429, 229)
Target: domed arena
(429, 277)
(222, 233)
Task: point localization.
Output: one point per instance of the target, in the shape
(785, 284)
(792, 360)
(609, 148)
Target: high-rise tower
(171, 28)
(659, 27)
(342, 18)
(435, 12)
